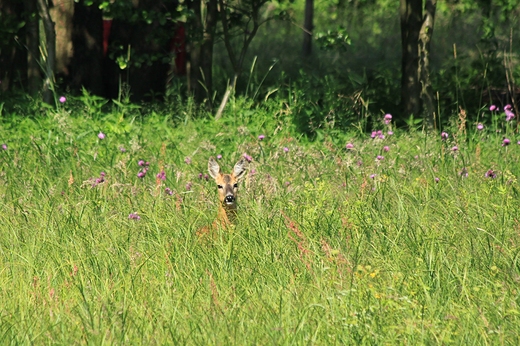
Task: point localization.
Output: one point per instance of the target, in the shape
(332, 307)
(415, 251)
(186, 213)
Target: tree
(416, 34)
(308, 28)
(201, 26)
(240, 19)
(50, 50)
(86, 65)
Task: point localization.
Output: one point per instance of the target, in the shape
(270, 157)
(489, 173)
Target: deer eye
(235, 186)
(219, 186)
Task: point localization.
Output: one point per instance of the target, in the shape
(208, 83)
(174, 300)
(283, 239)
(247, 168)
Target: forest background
(415, 59)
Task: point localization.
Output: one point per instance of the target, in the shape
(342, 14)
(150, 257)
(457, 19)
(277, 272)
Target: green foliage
(331, 246)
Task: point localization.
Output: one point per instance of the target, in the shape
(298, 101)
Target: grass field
(413, 238)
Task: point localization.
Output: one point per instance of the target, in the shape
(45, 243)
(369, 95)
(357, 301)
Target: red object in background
(107, 26)
(177, 45)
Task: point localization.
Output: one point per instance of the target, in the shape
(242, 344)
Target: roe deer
(227, 192)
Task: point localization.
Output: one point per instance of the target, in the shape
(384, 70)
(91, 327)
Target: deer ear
(240, 169)
(213, 168)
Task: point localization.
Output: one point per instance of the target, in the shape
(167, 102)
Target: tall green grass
(331, 246)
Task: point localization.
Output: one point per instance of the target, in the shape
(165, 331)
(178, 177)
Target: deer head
(227, 183)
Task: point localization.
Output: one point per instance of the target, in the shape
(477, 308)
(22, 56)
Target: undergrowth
(351, 238)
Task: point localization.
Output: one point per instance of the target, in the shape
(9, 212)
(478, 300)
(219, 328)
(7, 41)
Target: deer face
(227, 183)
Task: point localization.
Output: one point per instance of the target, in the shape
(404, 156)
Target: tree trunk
(411, 22)
(32, 40)
(50, 48)
(424, 68)
(206, 63)
(13, 59)
(87, 40)
(308, 28)
(193, 48)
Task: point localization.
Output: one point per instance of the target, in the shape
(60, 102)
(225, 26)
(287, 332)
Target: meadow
(368, 236)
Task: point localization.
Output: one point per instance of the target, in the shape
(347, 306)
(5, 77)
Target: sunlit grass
(332, 245)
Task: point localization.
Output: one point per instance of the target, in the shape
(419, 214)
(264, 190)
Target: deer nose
(230, 199)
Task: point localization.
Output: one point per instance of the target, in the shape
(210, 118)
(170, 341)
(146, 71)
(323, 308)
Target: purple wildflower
(252, 172)
(373, 176)
(464, 173)
(349, 146)
(444, 136)
(62, 99)
(380, 158)
(509, 115)
(437, 179)
(188, 186)
(200, 175)
(187, 160)
(508, 107)
(261, 137)
(506, 142)
(206, 177)
(142, 173)
(168, 191)
(161, 175)
(390, 133)
(386, 148)
(455, 148)
(219, 157)
(4, 146)
(490, 174)
(247, 157)
(480, 127)
(388, 118)
(101, 135)
(493, 108)
(286, 150)
(134, 216)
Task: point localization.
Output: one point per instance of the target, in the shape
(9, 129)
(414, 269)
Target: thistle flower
(286, 150)
(4, 146)
(380, 158)
(506, 142)
(386, 148)
(168, 191)
(188, 186)
(455, 148)
(349, 146)
(261, 137)
(480, 127)
(444, 136)
(63, 99)
(493, 108)
(490, 174)
(388, 118)
(219, 157)
(134, 216)
(161, 175)
(509, 115)
(247, 157)
(101, 135)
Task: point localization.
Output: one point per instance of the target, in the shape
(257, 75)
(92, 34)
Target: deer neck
(226, 214)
